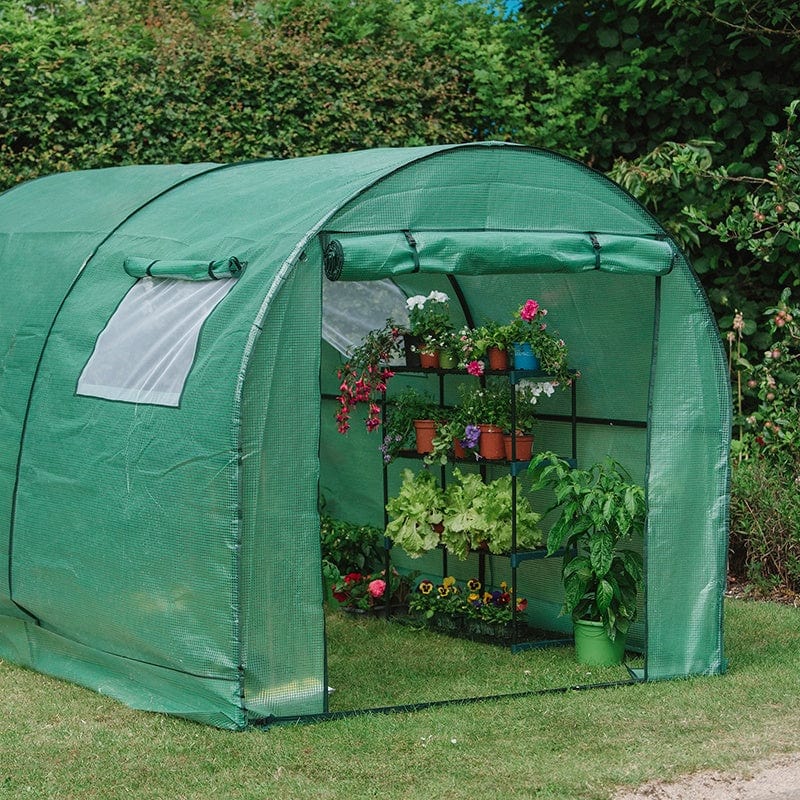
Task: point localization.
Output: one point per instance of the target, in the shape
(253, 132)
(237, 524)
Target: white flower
(441, 297)
(417, 301)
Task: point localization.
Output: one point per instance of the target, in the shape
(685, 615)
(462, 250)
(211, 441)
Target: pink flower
(529, 310)
(377, 588)
(475, 368)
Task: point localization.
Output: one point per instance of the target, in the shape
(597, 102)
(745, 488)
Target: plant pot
(447, 361)
(429, 360)
(498, 359)
(491, 445)
(593, 647)
(524, 446)
(458, 450)
(524, 357)
(425, 430)
(411, 346)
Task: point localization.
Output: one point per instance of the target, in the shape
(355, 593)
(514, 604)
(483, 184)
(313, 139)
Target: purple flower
(471, 435)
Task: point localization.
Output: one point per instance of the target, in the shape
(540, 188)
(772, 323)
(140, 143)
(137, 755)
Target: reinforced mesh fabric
(169, 555)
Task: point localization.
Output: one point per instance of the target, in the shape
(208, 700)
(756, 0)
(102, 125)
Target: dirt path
(776, 779)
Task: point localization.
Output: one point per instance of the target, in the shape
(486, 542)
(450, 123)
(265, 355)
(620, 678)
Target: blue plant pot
(524, 357)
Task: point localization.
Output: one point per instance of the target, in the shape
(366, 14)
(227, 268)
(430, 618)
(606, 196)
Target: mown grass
(60, 741)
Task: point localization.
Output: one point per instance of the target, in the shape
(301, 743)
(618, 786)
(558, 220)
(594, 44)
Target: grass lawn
(61, 741)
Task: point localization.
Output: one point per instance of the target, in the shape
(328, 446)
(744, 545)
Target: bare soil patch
(776, 779)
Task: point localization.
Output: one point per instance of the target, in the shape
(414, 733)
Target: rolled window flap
(367, 256)
(211, 270)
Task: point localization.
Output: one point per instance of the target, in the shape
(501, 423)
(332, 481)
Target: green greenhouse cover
(159, 529)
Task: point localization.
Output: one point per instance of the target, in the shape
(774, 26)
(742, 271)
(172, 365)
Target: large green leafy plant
(599, 509)
(468, 515)
(415, 510)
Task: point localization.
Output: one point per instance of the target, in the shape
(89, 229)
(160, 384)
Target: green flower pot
(593, 647)
(447, 361)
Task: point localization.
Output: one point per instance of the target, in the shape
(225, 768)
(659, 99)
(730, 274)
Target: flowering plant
(528, 326)
(365, 373)
(528, 394)
(366, 591)
(467, 600)
(429, 316)
(487, 405)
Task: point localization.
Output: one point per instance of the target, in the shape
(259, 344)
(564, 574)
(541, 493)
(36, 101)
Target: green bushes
(87, 85)
(765, 524)
(765, 491)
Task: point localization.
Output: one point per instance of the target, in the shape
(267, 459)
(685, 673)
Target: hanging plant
(365, 374)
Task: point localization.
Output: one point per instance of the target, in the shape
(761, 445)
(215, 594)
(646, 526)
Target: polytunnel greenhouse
(169, 345)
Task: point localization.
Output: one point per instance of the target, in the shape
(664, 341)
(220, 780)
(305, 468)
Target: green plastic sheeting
(467, 252)
(184, 270)
(166, 551)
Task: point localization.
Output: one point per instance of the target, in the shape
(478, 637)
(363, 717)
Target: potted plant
(403, 431)
(466, 610)
(372, 592)
(366, 373)
(416, 513)
(497, 340)
(490, 405)
(454, 437)
(519, 442)
(429, 319)
(535, 347)
(599, 509)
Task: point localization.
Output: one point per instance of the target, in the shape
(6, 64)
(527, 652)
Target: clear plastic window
(146, 351)
(350, 310)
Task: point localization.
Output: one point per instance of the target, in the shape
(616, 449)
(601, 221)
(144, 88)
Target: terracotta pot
(425, 430)
(458, 450)
(498, 359)
(524, 446)
(429, 361)
(491, 445)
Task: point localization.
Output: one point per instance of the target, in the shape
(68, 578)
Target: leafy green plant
(494, 334)
(487, 405)
(468, 514)
(599, 508)
(401, 412)
(348, 547)
(415, 510)
(496, 507)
